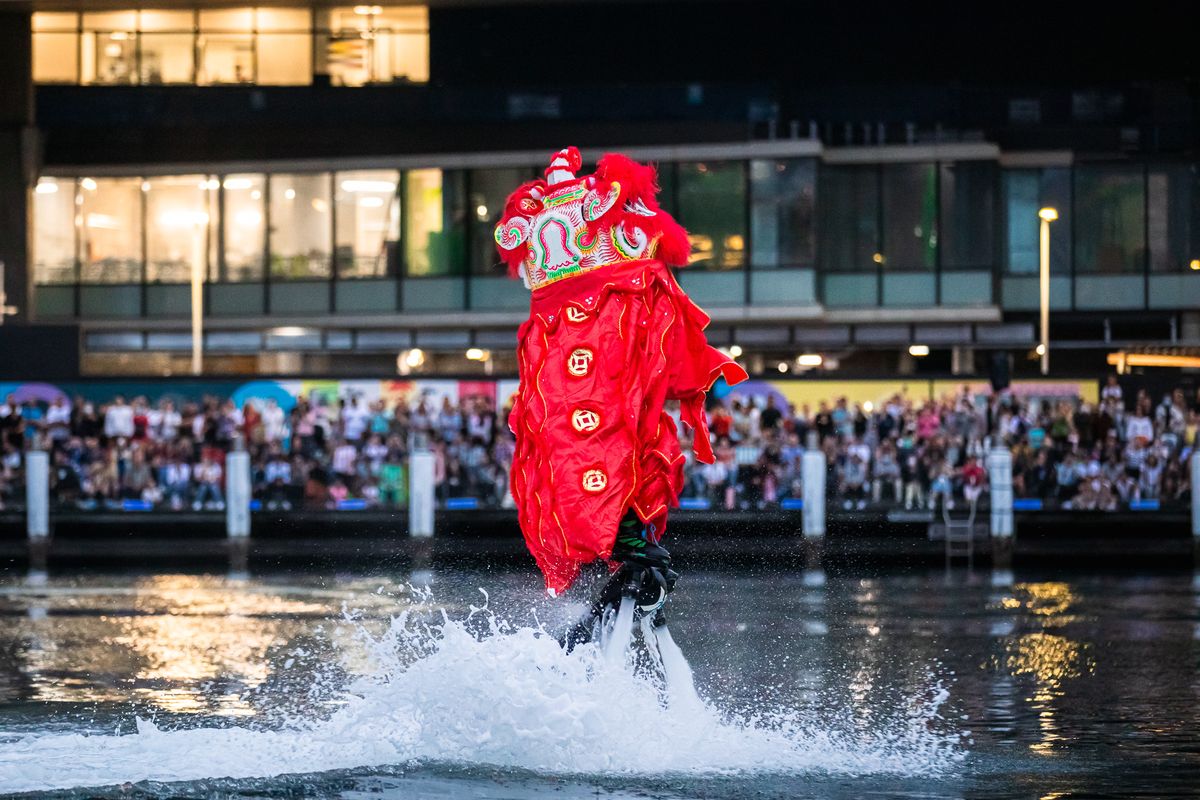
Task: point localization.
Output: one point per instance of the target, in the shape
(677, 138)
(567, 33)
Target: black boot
(645, 575)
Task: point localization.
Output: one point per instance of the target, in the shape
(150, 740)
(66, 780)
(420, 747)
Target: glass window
(434, 222)
(227, 20)
(285, 20)
(782, 197)
(168, 58)
(225, 58)
(1110, 229)
(909, 216)
(243, 227)
(284, 59)
(712, 206)
(177, 219)
(1026, 191)
(283, 46)
(300, 226)
(55, 57)
(108, 57)
(368, 223)
(55, 21)
(489, 189)
(111, 230)
(1173, 212)
(374, 44)
(968, 212)
(54, 231)
(849, 218)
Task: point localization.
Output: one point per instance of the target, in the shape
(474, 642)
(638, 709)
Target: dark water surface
(1058, 686)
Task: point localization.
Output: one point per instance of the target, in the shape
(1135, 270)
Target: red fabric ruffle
(598, 357)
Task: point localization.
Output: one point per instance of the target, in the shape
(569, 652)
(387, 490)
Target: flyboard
(637, 588)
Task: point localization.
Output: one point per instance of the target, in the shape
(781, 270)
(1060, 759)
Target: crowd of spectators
(349, 453)
(353, 452)
(932, 454)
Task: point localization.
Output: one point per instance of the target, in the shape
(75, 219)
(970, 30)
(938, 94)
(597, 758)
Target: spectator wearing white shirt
(344, 457)
(118, 419)
(272, 422)
(1139, 426)
(354, 420)
(164, 422)
(208, 492)
(58, 419)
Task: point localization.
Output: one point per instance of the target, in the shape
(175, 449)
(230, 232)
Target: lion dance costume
(610, 337)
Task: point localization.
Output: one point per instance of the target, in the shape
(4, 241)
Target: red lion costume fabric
(610, 337)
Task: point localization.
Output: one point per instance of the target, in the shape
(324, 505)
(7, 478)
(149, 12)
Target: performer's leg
(644, 574)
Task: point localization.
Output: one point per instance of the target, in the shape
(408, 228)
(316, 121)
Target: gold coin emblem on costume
(594, 480)
(584, 420)
(579, 363)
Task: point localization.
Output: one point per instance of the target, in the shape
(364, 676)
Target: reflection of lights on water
(1048, 600)
(1050, 659)
(186, 643)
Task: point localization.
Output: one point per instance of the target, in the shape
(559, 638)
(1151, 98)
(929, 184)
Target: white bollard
(420, 493)
(813, 467)
(37, 494)
(237, 494)
(999, 466)
(1195, 499)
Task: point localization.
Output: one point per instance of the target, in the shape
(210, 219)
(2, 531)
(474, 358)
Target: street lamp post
(1047, 216)
(198, 297)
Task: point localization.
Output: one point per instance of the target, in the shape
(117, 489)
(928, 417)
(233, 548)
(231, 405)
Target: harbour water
(933, 684)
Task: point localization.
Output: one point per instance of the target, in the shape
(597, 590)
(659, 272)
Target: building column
(18, 157)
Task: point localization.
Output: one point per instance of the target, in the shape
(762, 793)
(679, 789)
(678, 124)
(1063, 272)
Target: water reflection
(1077, 670)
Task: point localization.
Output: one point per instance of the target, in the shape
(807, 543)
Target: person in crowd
(58, 419)
(854, 481)
(886, 473)
(208, 477)
(118, 419)
(175, 477)
(355, 419)
(272, 422)
(974, 479)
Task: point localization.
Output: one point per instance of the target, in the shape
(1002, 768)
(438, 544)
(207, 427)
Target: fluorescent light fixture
(368, 186)
(46, 187)
(290, 330)
(918, 350)
(810, 359)
(235, 184)
(735, 351)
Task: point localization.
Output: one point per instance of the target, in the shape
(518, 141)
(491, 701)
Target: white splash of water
(507, 696)
(618, 634)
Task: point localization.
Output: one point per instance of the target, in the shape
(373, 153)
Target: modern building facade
(332, 175)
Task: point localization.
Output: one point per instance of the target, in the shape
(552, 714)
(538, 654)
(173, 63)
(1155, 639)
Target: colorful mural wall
(433, 391)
